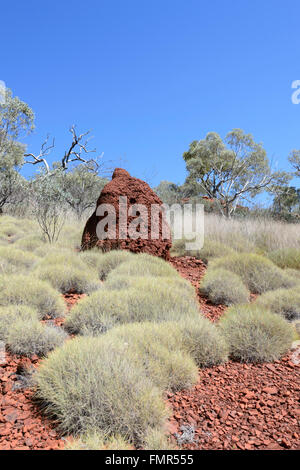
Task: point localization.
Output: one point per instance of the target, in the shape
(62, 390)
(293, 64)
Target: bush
(12, 313)
(92, 258)
(259, 274)
(155, 348)
(89, 385)
(104, 309)
(27, 290)
(98, 313)
(14, 260)
(62, 257)
(294, 273)
(118, 282)
(156, 439)
(111, 260)
(66, 278)
(285, 302)
(224, 287)
(255, 334)
(204, 342)
(286, 258)
(30, 243)
(28, 337)
(98, 441)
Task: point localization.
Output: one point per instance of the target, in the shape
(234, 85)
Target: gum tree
(16, 121)
(231, 170)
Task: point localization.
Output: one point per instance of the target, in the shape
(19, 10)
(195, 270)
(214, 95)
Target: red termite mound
(134, 191)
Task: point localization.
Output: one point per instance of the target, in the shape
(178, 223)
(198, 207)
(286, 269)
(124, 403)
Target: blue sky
(150, 77)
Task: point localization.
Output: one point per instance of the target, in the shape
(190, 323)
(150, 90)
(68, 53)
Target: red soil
(21, 425)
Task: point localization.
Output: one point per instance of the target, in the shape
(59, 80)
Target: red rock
(270, 390)
(137, 192)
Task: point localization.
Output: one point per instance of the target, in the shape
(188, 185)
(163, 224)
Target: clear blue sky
(148, 77)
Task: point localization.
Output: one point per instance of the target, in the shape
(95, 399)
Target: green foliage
(285, 302)
(145, 265)
(255, 334)
(28, 336)
(66, 278)
(203, 341)
(151, 283)
(13, 260)
(92, 258)
(259, 274)
(98, 313)
(111, 260)
(169, 193)
(12, 313)
(156, 439)
(98, 441)
(104, 309)
(155, 348)
(286, 258)
(16, 119)
(27, 290)
(224, 287)
(81, 188)
(89, 385)
(229, 170)
(211, 249)
(30, 243)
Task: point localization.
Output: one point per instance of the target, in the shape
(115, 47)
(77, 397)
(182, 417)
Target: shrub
(104, 309)
(224, 287)
(12, 313)
(28, 337)
(66, 278)
(30, 243)
(111, 260)
(255, 334)
(98, 441)
(286, 258)
(89, 385)
(118, 282)
(19, 289)
(294, 273)
(92, 258)
(145, 265)
(62, 257)
(285, 302)
(155, 348)
(259, 274)
(14, 260)
(204, 342)
(97, 313)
